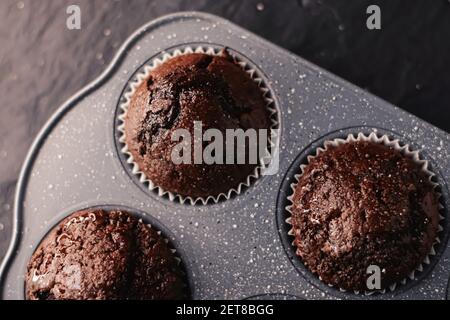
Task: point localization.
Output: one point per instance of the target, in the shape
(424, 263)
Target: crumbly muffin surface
(193, 87)
(362, 204)
(102, 255)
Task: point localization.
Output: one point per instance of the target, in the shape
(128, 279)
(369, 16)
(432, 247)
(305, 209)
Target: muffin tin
(237, 248)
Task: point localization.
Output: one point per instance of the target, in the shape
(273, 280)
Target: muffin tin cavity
(284, 227)
(172, 242)
(274, 296)
(142, 73)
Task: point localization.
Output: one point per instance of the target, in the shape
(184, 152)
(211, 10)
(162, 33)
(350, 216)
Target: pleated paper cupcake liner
(142, 75)
(406, 151)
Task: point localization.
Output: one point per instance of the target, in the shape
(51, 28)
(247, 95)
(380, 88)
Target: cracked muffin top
(99, 255)
(362, 204)
(187, 88)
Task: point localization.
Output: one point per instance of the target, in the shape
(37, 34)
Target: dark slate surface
(42, 63)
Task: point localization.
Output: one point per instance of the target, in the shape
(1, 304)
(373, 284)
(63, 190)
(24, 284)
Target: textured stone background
(42, 63)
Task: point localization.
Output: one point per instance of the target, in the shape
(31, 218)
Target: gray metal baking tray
(238, 248)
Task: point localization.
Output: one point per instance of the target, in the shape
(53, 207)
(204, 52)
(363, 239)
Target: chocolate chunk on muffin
(187, 88)
(360, 204)
(99, 255)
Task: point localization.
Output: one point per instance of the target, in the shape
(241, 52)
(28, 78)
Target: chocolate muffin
(101, 255)
(187, 88)
(360, 204)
